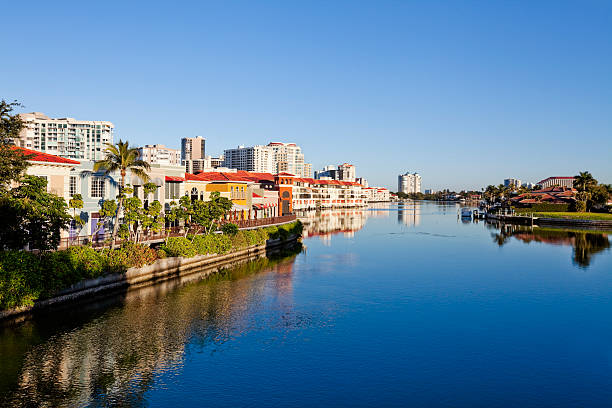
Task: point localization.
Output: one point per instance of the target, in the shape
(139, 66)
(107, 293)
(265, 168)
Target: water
(393, 306)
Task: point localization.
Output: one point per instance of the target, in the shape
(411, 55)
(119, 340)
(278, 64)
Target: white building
(273, 158)
(193, 148)
(512, 182)
(160, 154)
(346, 172)
(409, 183)
(556, 181)
(258, 159)
(65, 137)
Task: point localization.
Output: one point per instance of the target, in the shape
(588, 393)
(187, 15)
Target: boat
(466, 212)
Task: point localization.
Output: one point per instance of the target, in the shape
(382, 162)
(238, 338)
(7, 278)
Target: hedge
(544, 207)
(26, 277)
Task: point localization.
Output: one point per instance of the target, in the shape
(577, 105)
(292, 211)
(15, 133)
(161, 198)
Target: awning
(258, 206)
(174, 178)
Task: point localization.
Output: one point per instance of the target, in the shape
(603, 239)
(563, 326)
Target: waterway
(396, 305)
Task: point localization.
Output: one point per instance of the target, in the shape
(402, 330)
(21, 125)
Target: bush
(239, 241)
(180, 246)
(212, 244)
(87, 262)
(161, 254)
(230, 229)
(129, 255)
(544, 207)
(20, 282)
(579, 206)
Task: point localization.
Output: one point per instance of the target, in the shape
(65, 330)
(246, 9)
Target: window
(97, 187)
(172, 190)
(72, 188)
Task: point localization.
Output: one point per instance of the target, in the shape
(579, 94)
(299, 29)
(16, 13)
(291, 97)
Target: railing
(102, 240)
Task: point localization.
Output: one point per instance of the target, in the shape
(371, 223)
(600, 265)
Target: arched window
(194, 194)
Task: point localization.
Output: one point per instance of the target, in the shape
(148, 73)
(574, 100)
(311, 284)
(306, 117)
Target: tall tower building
(193, 148)
(65, 137)
(409, 183)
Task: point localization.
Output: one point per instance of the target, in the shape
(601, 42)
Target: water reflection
(324, 224)
(585, 243)
(409, 213)
(112, 359)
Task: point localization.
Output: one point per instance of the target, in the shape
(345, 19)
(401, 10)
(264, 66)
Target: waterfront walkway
(152, 237)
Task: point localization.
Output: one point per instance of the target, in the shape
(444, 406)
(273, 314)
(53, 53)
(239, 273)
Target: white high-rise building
(346, 172)
(65, 137)
(273, 158)
(160, 154)
(512, 182)
(255, 158)
(409, 183)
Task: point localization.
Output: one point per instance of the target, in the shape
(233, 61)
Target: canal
(396, 305)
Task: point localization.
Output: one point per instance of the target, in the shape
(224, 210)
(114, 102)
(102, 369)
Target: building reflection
(585, 243)
(324, 224)
(409, 213)
(112, 359)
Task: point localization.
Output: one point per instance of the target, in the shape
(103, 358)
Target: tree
(108, 210)
(31, 216)
(76, 202)
(207, 214)
(584, 180)
(13, 161)
(599, 194)
(122, 158)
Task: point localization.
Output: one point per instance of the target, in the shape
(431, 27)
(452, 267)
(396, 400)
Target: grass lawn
(572, 215)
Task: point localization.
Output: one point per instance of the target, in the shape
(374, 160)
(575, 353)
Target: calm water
(391, 306)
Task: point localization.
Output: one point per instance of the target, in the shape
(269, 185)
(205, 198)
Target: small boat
(466, 212)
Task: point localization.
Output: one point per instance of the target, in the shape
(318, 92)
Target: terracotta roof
(173, 178)
(44, 157)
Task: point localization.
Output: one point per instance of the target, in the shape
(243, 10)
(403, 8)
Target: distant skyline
(464, 93)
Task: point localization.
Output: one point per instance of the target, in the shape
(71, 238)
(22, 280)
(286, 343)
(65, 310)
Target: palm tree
(584, 180)
(122, 158)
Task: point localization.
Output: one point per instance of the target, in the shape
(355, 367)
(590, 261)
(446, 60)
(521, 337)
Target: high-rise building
(65, 137)
(512, 182)
(160, 154)
(342, 172)
(307, 170)
(255, 158)
(346, 172)
(273, 158)
(409, 183)
(193, 148)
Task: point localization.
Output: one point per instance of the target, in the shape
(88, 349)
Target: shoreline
(134, 278)
(555, 222)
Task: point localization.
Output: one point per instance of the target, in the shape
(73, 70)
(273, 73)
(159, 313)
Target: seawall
(159, 271)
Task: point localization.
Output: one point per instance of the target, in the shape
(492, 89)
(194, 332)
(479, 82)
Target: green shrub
(239, 241)
(86, 261)
(20, 280)
(161, 254)
(230, 229)
(544, 207)
(180, 246)
(579, 206)
(272, 231)
(129, 255)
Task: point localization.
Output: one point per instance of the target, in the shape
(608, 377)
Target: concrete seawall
(553, 222)
(159, 271)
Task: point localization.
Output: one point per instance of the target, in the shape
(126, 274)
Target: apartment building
(409, 183)
(557, 181)
(65, 137)
(193, 148)
(160, 154)
(273, 158)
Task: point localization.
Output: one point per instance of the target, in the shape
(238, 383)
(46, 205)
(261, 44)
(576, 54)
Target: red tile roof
(44, 157)
(174, 178)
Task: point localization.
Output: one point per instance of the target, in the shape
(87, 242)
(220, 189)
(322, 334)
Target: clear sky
(464, 92)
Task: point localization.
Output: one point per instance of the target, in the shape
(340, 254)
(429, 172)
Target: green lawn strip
(573, 215)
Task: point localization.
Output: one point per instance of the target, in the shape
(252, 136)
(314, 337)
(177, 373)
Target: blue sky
(464, 92)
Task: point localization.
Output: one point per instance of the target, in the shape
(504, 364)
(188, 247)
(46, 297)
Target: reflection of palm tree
(588, 244)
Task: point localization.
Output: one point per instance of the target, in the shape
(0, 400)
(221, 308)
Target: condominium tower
(273, 158)
(65, 137)
(160, 154)
(409, 183)
(193, 148)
